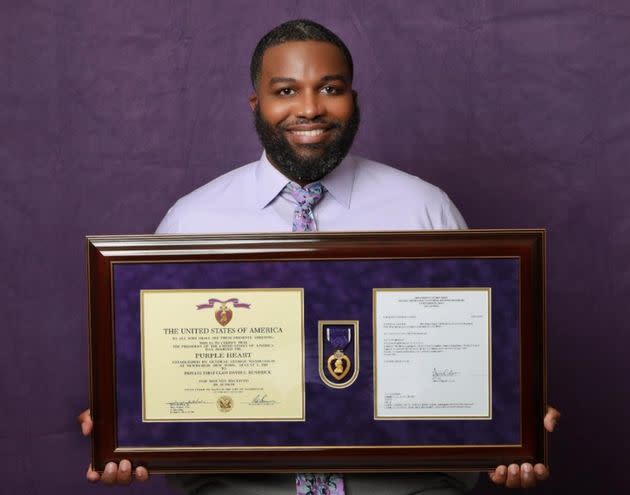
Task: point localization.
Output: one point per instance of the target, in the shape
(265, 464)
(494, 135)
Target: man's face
(305, 110)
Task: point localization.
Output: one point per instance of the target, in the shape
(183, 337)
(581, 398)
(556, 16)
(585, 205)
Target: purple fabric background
(335, 290)
(109, 111)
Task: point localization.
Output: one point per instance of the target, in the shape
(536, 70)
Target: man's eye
(330, 90)
(286, 92)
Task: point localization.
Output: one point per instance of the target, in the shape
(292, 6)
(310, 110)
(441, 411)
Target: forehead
(303, 60)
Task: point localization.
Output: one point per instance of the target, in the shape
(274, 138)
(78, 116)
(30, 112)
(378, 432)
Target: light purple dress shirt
(361, 195)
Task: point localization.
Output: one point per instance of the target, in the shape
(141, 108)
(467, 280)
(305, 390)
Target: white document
(432, 353)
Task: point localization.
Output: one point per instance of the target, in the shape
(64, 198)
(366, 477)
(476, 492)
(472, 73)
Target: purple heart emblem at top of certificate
(224, 313)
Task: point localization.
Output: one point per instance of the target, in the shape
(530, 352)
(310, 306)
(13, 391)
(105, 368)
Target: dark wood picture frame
(526, 245)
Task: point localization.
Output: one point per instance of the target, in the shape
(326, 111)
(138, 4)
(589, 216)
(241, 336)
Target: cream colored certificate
(222, 355)
(432, 353)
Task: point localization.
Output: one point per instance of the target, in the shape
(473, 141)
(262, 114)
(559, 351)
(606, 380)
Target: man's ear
(253, 101)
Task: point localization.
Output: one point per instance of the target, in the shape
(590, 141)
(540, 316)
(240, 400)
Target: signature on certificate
(186, 403)
(262, 400)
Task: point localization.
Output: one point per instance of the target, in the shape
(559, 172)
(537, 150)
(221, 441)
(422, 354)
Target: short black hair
(296, 30)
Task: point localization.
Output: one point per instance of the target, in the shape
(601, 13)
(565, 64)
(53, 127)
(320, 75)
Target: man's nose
(310, 105)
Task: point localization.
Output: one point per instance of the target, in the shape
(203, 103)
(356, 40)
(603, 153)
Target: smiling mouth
(314, 132)
(305, 136)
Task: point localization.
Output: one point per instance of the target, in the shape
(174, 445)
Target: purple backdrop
(109, 111)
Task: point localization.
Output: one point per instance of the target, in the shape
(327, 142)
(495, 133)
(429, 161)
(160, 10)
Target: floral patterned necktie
(304, 221)
(319, 484)
(306, 197)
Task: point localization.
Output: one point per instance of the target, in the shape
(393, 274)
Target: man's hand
(114, 474)
(525, 475)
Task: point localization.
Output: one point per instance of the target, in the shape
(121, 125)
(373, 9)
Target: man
(306, 116)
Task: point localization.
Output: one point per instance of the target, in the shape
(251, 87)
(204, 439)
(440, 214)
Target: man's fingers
(551, 418)
(528, 480)
(86, 428)
(85, 420)
(123, 475)
(110, 473)
(513, 476)
(117, 474)
(142, 474)
(499, 475)
(541, 472)
(91, 475)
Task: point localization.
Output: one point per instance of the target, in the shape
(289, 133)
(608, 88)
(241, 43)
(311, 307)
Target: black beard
(305, 169)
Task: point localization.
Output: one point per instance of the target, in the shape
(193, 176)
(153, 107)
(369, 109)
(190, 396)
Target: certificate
(318, 352)
(224, 355)
(432, 353)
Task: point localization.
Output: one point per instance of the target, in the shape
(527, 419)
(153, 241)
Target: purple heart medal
(339, 364)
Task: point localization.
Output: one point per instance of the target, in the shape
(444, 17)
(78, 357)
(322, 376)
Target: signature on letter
(444, 375)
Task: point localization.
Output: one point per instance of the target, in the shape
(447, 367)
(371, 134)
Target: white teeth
(315, 132)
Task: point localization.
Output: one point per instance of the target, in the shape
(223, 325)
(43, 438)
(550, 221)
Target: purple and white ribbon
(233, 300)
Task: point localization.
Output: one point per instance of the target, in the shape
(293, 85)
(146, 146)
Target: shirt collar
(270, 182)
(339, 182)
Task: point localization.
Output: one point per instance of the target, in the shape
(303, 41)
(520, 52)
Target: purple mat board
(332, 290)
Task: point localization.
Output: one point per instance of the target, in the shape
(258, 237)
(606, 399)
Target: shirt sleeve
(452, 219)
(169, 224)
